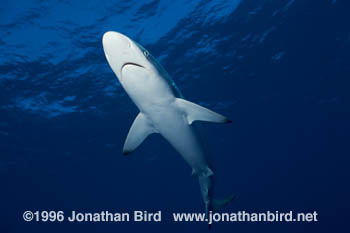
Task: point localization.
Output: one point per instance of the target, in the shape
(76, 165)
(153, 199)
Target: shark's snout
(121, 51)
(114, 40)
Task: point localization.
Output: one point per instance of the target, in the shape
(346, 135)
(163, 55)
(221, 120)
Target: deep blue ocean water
(279, 69)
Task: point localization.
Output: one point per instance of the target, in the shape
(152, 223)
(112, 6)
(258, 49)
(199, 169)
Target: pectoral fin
(139, 131)
(194, 112)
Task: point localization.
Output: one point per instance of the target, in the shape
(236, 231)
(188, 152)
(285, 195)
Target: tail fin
(218, 204)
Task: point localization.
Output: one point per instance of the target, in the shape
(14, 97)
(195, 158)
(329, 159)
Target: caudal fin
(218, 204)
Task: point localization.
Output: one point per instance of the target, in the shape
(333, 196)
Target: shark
(163, 110)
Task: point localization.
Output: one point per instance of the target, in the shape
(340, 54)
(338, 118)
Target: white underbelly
(154, 98)
(171, 124)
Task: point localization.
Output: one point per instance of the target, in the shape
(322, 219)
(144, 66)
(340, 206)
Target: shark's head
(130, 61)
(122, 52)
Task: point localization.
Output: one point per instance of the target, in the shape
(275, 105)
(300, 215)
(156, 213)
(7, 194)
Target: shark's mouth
(131, 67)
(131, 63)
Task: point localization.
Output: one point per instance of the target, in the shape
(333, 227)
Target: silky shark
(162, 109)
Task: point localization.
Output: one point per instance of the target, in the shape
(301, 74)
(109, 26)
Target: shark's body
(162, 110)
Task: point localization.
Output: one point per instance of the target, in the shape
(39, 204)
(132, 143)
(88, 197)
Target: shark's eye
(146, 53)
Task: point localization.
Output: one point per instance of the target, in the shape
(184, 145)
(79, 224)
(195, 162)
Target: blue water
(279, 69)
